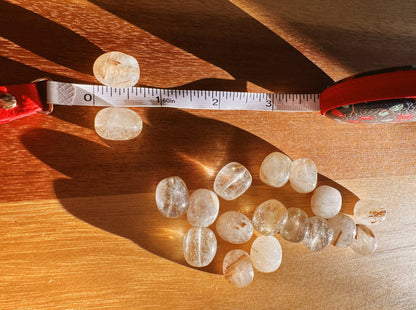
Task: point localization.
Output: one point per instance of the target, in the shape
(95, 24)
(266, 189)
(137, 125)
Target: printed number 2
(215, 101)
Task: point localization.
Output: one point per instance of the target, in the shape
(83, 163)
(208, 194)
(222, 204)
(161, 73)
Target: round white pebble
(234, 227)
(369, 212)
(172, 198)
(274, 169)
(319, 234)
(203, 208)
(326, 201)
(237, 268)
(269, 217)
(303, 175)
(344, 230)
(364, 242)
(199, 246)
(232, 181)
(266, 254)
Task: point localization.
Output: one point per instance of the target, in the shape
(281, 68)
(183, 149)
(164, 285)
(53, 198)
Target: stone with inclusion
(199, 246)
(203, 208)
(326, 201)
(232, 181)
(303, 175)
(234, 227)
(318, 235)
(296, 225)
(369, 212)
(274, 169)
(118, 124)
(344, 230)
(364, 242)
(116, 69)
(266, 254)
(172, 198)
(269, 217)
(237, 268)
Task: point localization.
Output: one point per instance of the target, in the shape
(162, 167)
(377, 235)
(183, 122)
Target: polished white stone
(318, 235)
(369, 212)
(326, 201)
(232, 181)
(203, 208)
(364, 242)
(344, 230)
(234, 227)
(303, 175)
(296, 225)
(266, 254)
(172, 198)
(237, 268)
(275, 169)
(269, 217)
(199, 246)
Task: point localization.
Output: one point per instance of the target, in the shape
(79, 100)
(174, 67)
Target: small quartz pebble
(232, 181)
(172, 198)
(237, 268)
(296, 225)
(116, 69)
(199, 246)
(344, 230)
(318, 235)
(269, 217)
(274, 169)
(234, 227)
(118, 124)
(203, 208)
(369, 212)
(326, 201)
(364, 242)
(266, 254)
(303, 175)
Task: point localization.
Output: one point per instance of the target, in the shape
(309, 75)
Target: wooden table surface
(79, 228)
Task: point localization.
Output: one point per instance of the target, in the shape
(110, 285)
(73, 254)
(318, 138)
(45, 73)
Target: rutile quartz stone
(303, 175)
(369, 212)
(199, 246)
(274, 169)
(203, 208)
(364, 242)
(232, 181)
(344, 230)
(296, 225)
(326, 201)
(269, 217)
(237, 268)
(234, 227)
(266, 254)
(172, 198)
(318, 235)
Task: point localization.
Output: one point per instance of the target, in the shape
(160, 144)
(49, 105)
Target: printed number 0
(87, 97)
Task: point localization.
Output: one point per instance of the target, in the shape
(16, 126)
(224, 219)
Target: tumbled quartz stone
(369, 212)
(172, 198)
(326, 201)
(344, 230)
(116, 69)
(199, 246)
(318, 235)
(296, 225)
(269, 217)
(232, 181)
(237, 268)
(275, 169)
(266, 254)
(364, 242)
(203, 208)
(303, 175)
(234, 227)
(118, 124)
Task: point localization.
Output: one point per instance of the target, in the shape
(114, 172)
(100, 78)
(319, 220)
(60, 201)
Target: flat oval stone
(266, 254)
(344, 230)
(237, 268)
(232, 181)
(269, 217)
(275, 169)
(172, 198)
(296, 225)
(369, 212)
(116, 69)
(118, 124)
(318, 235)
(364, 242)
(199, 246)
(234, 227)
(326, 201)
(203, 208)
(303, 175)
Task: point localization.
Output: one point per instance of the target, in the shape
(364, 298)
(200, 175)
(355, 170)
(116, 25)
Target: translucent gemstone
(269, 217)
(344, 230)
(116, 69)
(118, 124)
(296, 225)
(365, 241)
(319, 234)
(326, 201)
(199, 246)
(172, 198)
(274, 169)
(237, 268)
(303, 175)
(234, 227)
(203, 208)
(266, 254)
(232, 181)
(369, 212)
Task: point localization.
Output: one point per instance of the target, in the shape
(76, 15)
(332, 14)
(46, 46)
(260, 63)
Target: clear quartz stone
(274, 169)
(118, 124)
(269, 217)
(203, 208)
(318, 235)
(364, 242)
(266, 254)
(116, 69)
(344, 230)
(296, 225)
(199, 246)
(326, 201)
(303, 175)
(232, 181)
(237, 268)
(172, 198)
(369, 212)
(234, 227)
